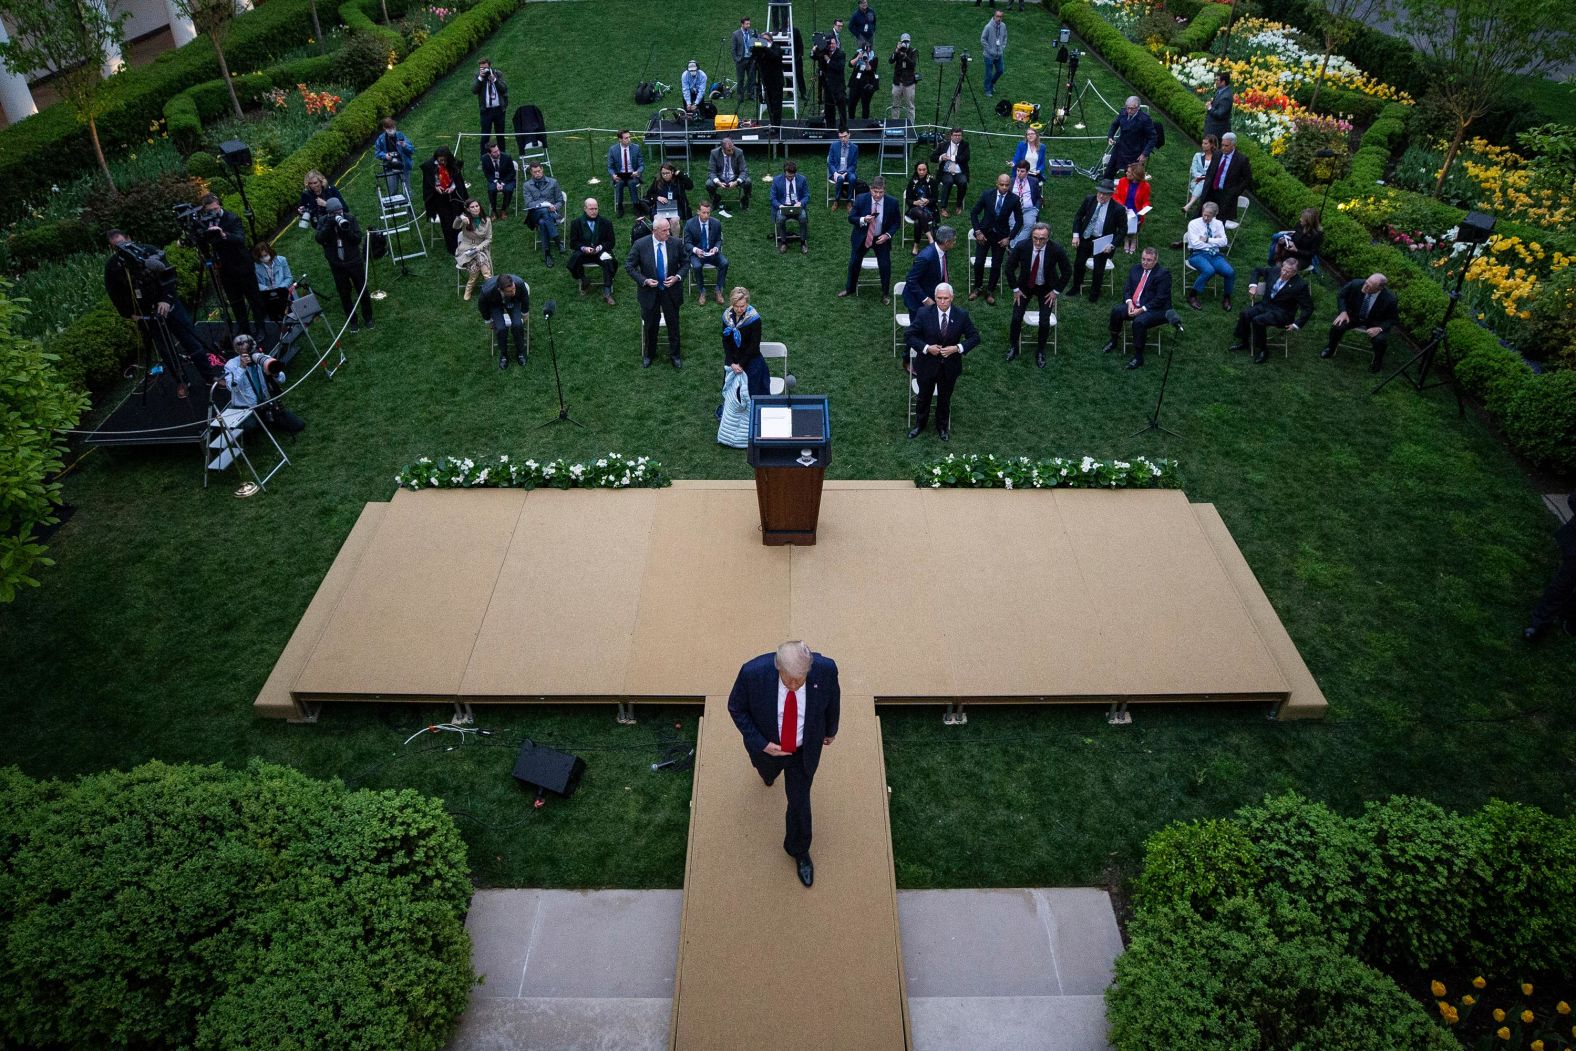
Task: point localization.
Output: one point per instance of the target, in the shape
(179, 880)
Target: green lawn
(1400, 544)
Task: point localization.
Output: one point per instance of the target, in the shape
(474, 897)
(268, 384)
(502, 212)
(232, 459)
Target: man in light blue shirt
(692, 86)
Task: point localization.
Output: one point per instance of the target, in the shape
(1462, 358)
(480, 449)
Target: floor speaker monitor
(548, 769)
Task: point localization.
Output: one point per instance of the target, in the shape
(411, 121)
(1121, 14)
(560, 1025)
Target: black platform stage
(153, 415)
(700, 133)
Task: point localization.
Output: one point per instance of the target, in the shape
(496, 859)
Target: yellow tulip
(1526, 988)
(1503, 1032)
(1469, 999)
(1563, 1008)
(1526, 1017)
(1499, 1014)
(1437, 987)
(1537, 1045)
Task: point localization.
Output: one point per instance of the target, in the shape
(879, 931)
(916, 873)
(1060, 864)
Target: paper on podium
(1102, 245)
(776, 421)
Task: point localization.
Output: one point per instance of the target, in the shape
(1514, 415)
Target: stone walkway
(987, 970)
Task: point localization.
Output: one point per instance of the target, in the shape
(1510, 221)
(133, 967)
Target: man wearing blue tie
(788, 193)
(997, 218)
(658, 274)
(1280, 294)
(939, 337)
(875, 219)
(703, 235)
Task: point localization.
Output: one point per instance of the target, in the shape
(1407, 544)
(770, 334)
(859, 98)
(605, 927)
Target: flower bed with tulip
(613, 471)
(1513, 1016)
(974, 471)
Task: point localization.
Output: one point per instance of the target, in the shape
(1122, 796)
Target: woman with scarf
(475, 245)
(745, 374)
(443, 193)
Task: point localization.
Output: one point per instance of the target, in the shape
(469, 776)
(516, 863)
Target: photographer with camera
(492, 94)
(769, 75)
(833, 65)
(223, 242)
(905, 74)
(340, 235)
(252, 378)
(316, 192)
(142, 286)
(864, 79)
(396, 153)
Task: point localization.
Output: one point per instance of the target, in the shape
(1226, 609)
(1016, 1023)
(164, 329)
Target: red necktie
(1034, 272)
(790, 732)
(1138, 293)
(870, 227)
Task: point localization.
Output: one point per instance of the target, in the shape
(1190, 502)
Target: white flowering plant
(613, 471)
(973, 471)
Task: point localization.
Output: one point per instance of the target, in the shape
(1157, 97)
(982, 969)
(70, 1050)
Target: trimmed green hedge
(195, 906)
(1202, 30)
(1538, 411)
(1274, 928)
(184, 114)
(358, 20)
(48, 147)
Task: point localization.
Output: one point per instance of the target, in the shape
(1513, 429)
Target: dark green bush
(1541, 421)
(1524, 920)
(358, 19)
(212, 908)
(184, 114)
(146, 211)
(93, 348)
(49, 241)
(361, 59)
(1202, 29)
(1493, 374)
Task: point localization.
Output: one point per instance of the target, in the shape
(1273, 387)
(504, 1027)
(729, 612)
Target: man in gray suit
(743, 64)
(1217, 115)
(727, 170)
(656, 264)
(703, 241)
(542, 201)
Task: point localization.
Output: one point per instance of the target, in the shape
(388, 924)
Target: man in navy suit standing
(928, 271)
(938, 337)
(786, 706)
(875, 218)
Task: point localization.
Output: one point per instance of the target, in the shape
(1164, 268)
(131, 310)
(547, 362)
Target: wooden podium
(790, 446)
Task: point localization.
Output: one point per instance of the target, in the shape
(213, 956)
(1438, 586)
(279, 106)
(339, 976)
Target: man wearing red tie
(786, 707)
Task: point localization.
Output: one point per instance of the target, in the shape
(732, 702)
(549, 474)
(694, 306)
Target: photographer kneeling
(253, 379)
(340, 235)
(142, 286)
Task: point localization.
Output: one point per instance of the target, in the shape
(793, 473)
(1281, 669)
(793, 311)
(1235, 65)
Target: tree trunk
(385, 5)
(1450, 157)
(98, 151)
(317, 29)
(1324, 64)
(224, 71)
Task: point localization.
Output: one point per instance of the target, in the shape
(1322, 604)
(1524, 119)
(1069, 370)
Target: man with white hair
(1131, 137)
(938, 338)
(1229, 176)
(786, 706)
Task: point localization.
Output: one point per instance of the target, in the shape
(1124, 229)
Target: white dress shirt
(799, 698)
(1201, 235)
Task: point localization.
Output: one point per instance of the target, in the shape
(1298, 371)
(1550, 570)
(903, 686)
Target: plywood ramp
(764, 963)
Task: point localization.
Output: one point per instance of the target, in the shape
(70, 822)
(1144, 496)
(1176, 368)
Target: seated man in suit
(875, 218)
(1284, 294)
(939, 337)
(951, 159)
(504, 302)
(591, 243)
(1228, 177)
(542, 201)
(1098, 216)
(703, 239)
(789, 191)
(997, 215)
(928, 271)
(625, 170)
(1145, 300)
(656, 264)
(1368, 306)
(726, 170)
(1029, 189)
(842, 169)
(498, 173)
(787, 707)
(1037, 270)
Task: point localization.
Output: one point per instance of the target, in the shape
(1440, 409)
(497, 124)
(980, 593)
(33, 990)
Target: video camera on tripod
(193, 226)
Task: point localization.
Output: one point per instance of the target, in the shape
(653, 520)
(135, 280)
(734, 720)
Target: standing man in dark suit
(591, 243)
(1558, 602)
(1145, 300)
(997, 216)
(1037, 270)
(1284, 293)
(928, 271)
(769, 75)
(492, 94)
(787, 706)
(1229, 177)
(225, 241)
(1098, 216)
(834, 83)
(1217, 115)
(939, 336)
(1368, 306)
(656, 265)
(1131, 137)
(875, 218)
(743, 41)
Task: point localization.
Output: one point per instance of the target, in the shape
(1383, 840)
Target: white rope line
(1089, 86)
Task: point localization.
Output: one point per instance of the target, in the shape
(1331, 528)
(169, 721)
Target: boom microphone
(550, 308)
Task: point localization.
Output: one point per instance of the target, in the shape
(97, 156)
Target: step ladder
(779, 23)
(397, 215)
(897, 134)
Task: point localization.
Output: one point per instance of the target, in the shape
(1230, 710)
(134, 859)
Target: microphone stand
(552, 346)
(1154, 417)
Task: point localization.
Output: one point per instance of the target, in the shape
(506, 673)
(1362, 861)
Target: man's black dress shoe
(1012, 355)
(913, 432)
(944, 434)
(1039, 359)
(1236, 347)
(1260, 358)
(645, 362)
(520, 357)
(1531, 634)
(1225, 304)
(1134, 363)
(1326, 353)
(678, 362)
(1376, 365)
(1110, 345)
(503, 362)
(806, 871)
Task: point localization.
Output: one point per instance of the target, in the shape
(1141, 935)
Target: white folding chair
(1190, 274)
(1274, 337)
(776, 352)
(1149, 344)
(900, 319)
(1233, 225)
(525, 321)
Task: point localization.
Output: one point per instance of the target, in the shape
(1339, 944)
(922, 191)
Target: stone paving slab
(1009, 1023)
(564, 1023)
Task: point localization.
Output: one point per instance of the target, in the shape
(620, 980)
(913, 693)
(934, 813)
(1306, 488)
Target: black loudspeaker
(1475, 228)
(236, 154)
(547, 768)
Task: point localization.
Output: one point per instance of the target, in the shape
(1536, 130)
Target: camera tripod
(957, 96)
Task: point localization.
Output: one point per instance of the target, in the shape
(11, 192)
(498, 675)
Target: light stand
(1154, 423)
(941, 54)
(1062, 37)
(1324, 159)
(552, 346)
(238, 155)
(1074, 56)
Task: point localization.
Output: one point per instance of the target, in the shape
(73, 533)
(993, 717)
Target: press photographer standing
(340, 235)
(142, 286)
(492, 94)
(224, 242)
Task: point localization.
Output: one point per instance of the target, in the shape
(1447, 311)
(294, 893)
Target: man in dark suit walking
(1145, 300)
(1098, 216)
(1229, 177)
(786, 706)
(928, 271)
(875, 218)
(997, 217)
(1281, 293)
(1037, 270)
(1368, 306)
(939, 337)
(656, 265)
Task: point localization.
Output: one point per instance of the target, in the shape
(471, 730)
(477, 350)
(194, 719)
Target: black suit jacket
(491, 299)
(1157, 290)
(1383, 314)
(1115, 218)
(753, 705)
(926, 330)
(1021, 260)
(1295, 297)
(499, 82)
(502, 171)
(886, 223)
(229, 245)
(963, 158)
(641, 266)
(602, 233)
(996, 226)
(1239, 179)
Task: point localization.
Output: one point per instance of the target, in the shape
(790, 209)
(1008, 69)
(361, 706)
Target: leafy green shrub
(1551, 331)
(1541, 420)
(58, 292)
(1524, 921)
(276, 132)
(355, 15)
(93, 347)
(213, 908)
(1202, 29)
(1307, 137)
(1196, 864)
(362, 59)
(185, 113)
(201, 165)
(35, 405)
(1489, 372)
(146, 211)
(47, 242)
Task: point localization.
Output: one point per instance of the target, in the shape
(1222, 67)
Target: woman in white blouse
(1197, 170)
